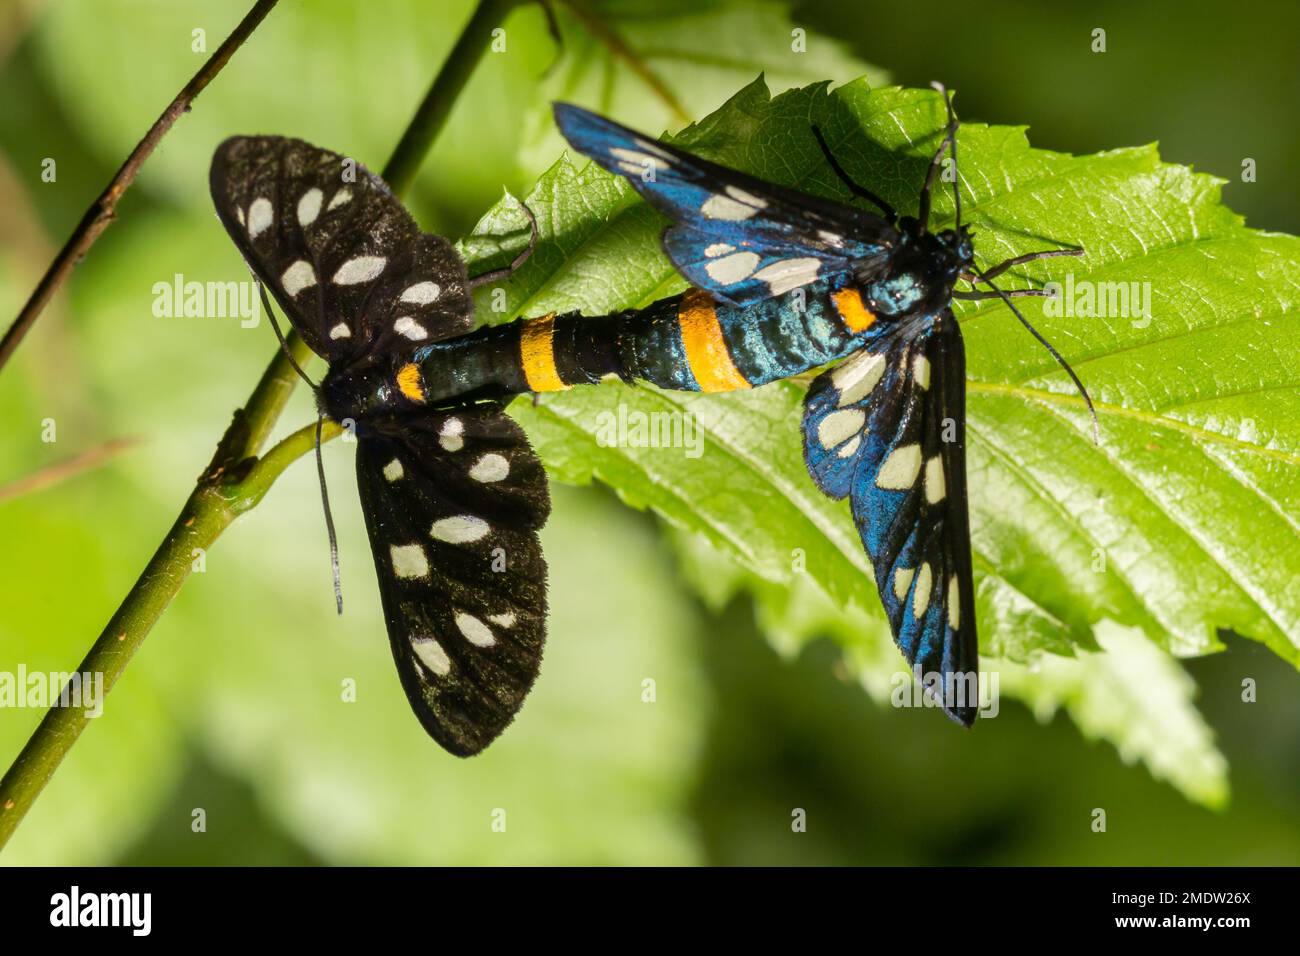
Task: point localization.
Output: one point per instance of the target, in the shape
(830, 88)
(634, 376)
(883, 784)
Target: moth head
(361, 390)
(959, 247)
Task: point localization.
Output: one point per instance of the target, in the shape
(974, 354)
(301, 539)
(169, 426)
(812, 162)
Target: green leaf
(1178, 524)
(793, 615)
(1134, 695)
(657, 65)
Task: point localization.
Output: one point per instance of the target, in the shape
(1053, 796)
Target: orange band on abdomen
(537, 353)
(706, 350)
(856, 316)
(408, 382)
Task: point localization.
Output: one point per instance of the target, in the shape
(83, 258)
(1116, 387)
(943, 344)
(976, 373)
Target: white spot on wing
(789, 274)
(341, 331)
(309, 206)
(475, 631)
(260, 217)
(638, 162)
(431, 655)
(718, 249)
(726, 209)
(342, 196)
(360, 269)
(459, 529)
(856, 378)
(921, 371)
(491, 467)
(239, 214)
(503, 620)
(451, 435)
(412, 329)
(850, 447)
(840, 425)
(409, 560)
(954, 603)
(921, 596)
(935, 488)
(650, 147)
(903, 581)
(393, 470)
(422, 293)
(900, 469)
(733, 268)
(297, 277)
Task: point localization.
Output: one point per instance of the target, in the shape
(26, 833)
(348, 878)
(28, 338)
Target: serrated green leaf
(1178, 523)
(657, 65)
(1134, 696)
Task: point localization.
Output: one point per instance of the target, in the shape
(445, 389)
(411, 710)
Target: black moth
(454, 497)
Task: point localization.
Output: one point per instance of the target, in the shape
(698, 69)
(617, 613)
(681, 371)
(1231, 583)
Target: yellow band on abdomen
(537, 353)
(856, 316)
(706, 350)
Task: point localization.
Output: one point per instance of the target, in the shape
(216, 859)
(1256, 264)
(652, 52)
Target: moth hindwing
(887, 430)
(453, 502)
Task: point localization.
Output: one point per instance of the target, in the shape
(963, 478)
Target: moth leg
(1010, 294)
(1006, 264)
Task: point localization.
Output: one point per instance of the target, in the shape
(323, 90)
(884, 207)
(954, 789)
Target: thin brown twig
(103, 210)
(603, 32)
(59, 471)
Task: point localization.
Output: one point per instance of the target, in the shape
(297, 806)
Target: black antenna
(950, 139)
(519, 260)
(284, 346)
(952, 132)
(320, 460)
(1096, 426)
(949, 136)
(329, 518)
(853, 186)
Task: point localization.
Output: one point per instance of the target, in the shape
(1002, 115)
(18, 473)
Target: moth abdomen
(697, 343)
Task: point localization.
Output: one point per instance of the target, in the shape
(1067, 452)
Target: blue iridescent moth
(452, 493)
(786, 282)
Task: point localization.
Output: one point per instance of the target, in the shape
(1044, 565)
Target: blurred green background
(233, 705)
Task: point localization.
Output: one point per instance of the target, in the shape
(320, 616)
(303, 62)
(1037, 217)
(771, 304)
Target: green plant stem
(236, 480)
(103, 211)
(437, 103)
